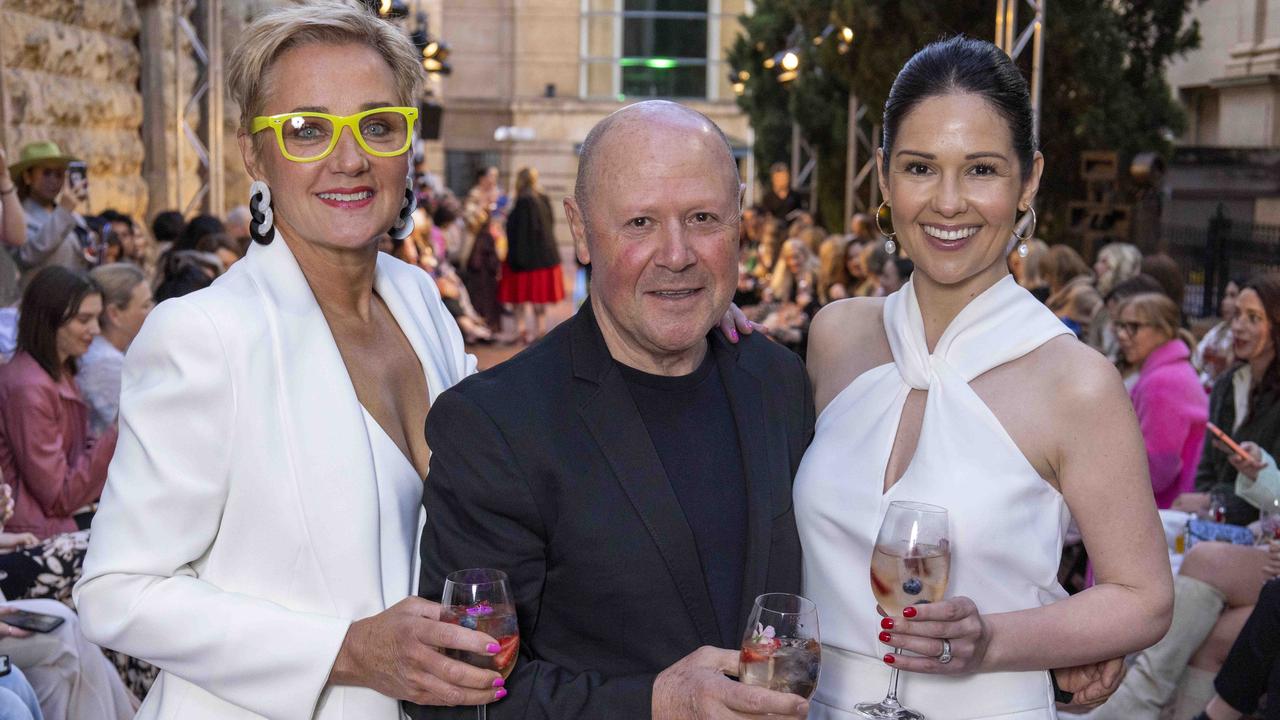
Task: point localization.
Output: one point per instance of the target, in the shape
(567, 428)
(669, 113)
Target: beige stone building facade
(1230, 86)
(531, 77)
(1229, 155)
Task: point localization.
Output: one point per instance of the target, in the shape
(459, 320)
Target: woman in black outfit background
(531, 277)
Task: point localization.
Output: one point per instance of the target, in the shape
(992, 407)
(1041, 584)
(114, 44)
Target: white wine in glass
(781, 648)
(910, 565)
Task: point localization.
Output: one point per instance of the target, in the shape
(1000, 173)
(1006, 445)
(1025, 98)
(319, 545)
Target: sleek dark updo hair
(963, 65)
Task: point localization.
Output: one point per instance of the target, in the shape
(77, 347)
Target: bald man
(631, 473)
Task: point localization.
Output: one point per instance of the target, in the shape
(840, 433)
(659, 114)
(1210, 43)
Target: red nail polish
(502, 692)
(493, 648)
(908, 612)
(499, 682)
(885, 637)
(887, 623)
(888, 658)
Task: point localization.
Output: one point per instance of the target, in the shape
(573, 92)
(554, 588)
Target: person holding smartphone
(57, 233)
(1245, 403)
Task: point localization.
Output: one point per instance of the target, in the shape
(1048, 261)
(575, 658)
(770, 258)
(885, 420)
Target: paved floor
(491, 354)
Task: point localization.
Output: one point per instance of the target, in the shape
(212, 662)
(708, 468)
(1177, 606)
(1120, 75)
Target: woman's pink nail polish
(502, 692)
(493, 648)
(499, 682)
(734, 332)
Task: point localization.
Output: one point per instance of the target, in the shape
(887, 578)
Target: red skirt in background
(542, 286)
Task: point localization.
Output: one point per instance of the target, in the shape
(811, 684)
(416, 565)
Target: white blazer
(238, 534)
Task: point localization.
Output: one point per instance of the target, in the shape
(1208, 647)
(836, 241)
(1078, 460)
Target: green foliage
(1104, 84)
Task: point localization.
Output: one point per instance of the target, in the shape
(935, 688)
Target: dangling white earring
(890, 246)
(404, 223)
(261, 229)
(1023, 250)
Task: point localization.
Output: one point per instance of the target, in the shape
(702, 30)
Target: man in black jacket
(632, 472)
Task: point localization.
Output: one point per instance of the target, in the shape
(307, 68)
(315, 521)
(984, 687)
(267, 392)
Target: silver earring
(890, 246)
(261, 229)
(404, 223)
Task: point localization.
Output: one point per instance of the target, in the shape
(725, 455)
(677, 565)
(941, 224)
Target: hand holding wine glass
(480, 599)
(921, 629)
(910, 567)
(781, 648)
(398, 652)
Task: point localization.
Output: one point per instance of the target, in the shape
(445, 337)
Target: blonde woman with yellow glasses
(256, 538)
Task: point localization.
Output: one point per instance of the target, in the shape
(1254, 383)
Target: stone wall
(69, 72)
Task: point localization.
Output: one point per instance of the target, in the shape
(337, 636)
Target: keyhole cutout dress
(1006, 523)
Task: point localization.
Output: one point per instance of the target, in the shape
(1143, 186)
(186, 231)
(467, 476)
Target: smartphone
(77, 172)
(5, 667)
(1226, 440)
(33, 621)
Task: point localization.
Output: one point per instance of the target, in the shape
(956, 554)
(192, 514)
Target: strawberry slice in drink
(510, 645)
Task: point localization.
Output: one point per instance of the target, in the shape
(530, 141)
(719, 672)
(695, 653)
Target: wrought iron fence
(1221, 250)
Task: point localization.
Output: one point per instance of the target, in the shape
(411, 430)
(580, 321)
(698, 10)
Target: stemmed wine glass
(781, 649)
(910, 566)
(480, 599)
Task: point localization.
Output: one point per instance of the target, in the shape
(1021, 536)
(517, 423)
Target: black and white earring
(261, 229)
(404, 224)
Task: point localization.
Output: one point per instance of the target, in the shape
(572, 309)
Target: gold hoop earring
(879, 211)
(1029, 233)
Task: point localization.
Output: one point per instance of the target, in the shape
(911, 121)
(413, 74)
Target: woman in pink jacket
(1170, 402)
(46, 453)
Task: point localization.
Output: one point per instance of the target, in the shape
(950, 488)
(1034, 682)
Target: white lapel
(328, 444)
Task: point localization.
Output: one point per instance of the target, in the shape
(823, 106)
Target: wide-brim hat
(38, 152)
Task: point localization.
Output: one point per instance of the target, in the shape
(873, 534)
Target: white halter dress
(1007, 523)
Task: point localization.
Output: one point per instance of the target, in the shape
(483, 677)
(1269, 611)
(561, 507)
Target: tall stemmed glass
(781, 648)
(480, 599)
(910, 566)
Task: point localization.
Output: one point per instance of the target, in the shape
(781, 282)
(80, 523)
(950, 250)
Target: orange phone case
(1226, 439)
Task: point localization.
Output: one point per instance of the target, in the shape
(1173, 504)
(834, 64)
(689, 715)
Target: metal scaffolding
(860, 178)
(1013, 42)
(207, 96)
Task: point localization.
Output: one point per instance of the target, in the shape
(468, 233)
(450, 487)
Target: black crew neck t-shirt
(691, 424)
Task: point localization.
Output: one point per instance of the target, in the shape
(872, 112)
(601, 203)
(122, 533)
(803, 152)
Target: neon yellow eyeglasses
(310, 136)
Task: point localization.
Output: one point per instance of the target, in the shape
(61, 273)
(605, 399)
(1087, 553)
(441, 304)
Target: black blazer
(1214, 472)
(543, 468)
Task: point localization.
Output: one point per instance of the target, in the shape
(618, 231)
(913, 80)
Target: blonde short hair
(334, 22)
(117, 281)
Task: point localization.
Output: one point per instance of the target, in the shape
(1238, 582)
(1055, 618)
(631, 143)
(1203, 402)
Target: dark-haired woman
(963, 391)
(1245, 402)
(46, 452)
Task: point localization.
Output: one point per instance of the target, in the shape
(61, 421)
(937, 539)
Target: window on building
(655, 48)
(462, 166)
